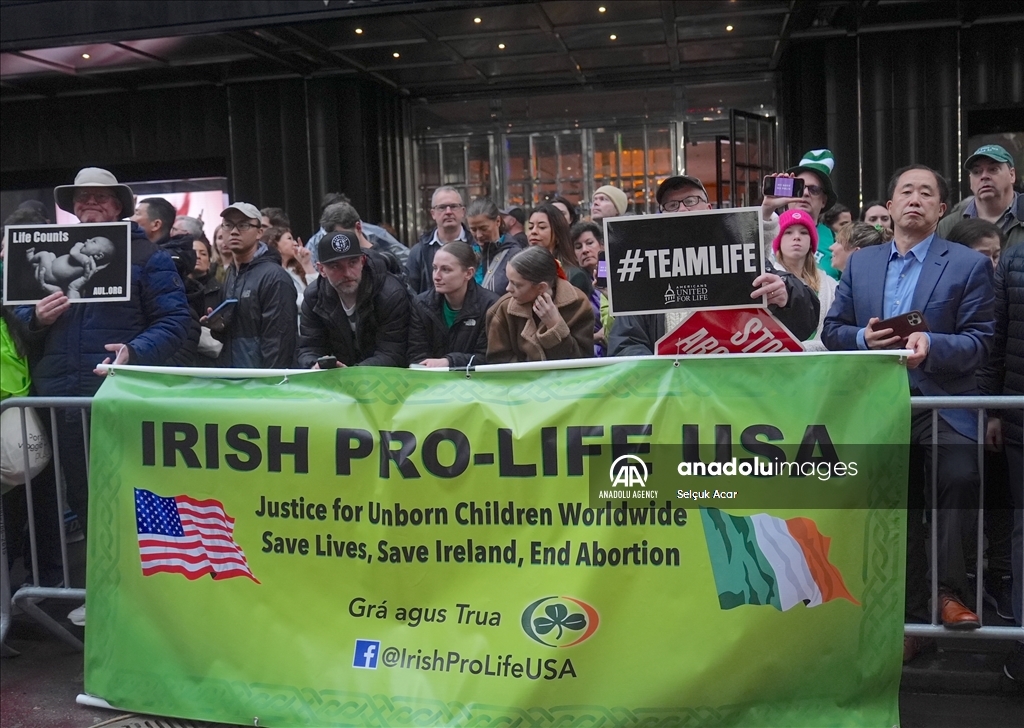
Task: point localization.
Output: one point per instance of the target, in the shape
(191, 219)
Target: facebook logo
(366, 654)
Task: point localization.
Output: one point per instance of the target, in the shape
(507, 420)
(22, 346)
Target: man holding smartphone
(789, 300)
(259, 331)
(951, 285)
(814, 172)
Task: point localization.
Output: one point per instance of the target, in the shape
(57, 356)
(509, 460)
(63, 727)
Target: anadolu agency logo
(559, 621)
(628, 476)
(628, 471)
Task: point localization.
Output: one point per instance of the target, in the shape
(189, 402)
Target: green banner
(381, 547)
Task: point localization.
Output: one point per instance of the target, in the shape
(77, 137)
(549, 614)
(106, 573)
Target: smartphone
(904, 325)
(327, 362)
(601, 279)
(220, 317)
(783, 187)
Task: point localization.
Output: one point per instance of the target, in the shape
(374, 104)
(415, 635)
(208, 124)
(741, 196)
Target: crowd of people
(490, 285)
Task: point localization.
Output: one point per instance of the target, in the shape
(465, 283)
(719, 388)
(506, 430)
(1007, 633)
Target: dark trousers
(957, 500)
(1015, 466)
(998, 521)
(47, 521)
(73, 459)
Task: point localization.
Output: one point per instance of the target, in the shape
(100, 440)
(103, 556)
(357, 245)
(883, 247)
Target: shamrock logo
(558, 616)
(550, 619)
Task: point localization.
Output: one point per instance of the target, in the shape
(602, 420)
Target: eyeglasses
(687, 202)
(814, 190)
(444, 208)
(100, 197)
(241, 227)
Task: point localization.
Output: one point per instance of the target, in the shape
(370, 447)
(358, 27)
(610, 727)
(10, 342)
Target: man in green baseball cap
(992, 175)
(815, 169)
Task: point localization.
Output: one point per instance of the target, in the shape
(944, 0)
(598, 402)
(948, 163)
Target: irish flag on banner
(761, 559)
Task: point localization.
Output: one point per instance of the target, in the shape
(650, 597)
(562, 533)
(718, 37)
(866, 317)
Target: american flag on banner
(182, 535)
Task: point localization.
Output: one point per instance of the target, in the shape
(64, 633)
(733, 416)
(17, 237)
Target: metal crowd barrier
(981, 404)
(27, 597)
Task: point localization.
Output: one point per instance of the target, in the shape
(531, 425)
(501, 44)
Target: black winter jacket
(260, 331)
(638, 335)
(466, 339)
(381, 337)
(420, 266)
(1004, 373)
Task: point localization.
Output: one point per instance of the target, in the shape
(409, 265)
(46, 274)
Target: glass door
(752, 156)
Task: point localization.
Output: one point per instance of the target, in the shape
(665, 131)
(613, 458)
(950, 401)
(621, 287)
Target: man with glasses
(355, 311)
(815, 170)
(789, 300)
(682, 194)
(448, 212)
(259, 332)
(67, 342)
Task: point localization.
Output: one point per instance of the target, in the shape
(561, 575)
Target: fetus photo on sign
(84, 262)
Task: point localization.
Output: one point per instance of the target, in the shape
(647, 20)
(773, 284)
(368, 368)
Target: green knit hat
(821, 162)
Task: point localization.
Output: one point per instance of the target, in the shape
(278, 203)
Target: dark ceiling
(437, 51)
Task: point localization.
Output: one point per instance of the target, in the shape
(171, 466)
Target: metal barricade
(981, 404)
(27, 597)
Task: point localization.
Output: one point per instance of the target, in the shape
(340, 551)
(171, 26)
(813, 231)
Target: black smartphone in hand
(219, 318)
(783, 187)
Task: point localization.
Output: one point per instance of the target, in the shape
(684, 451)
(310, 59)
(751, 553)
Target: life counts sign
(87, 262)
(706, 259)
(736, 331)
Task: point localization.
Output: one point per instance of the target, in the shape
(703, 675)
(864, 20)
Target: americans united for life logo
(559, 621)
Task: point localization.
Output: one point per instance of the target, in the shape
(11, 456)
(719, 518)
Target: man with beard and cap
(355, 311)
(67, 342)
(789, 300)
(259, 332)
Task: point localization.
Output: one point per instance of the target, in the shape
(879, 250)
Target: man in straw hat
(67, 342)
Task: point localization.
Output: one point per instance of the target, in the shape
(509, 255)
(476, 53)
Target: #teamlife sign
(708, 259)
(87, 262)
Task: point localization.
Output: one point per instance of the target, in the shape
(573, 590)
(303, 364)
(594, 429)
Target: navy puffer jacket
(1004, 373)
(154, 324)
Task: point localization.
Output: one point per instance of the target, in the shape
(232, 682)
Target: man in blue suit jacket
(952, 286)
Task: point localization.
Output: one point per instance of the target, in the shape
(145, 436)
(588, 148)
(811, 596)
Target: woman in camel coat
(542, 317)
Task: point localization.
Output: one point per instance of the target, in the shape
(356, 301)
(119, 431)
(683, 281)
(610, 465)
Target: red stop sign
(728, 331)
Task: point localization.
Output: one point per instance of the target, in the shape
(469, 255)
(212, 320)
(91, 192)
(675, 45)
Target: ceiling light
(359, 31)
(501, 46)
(728, 28)
(395, 54)
(477, 20)
(601, 9)
(86, 56)
(613, 36)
